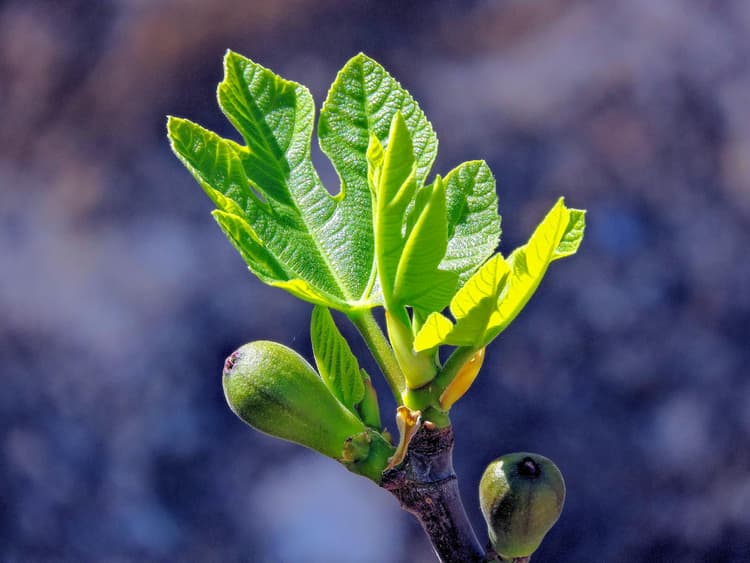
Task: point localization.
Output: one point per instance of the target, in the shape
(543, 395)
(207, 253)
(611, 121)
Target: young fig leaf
(293, 233)
(408, 250)
(499, 290)
(472, 307)
(337, 365)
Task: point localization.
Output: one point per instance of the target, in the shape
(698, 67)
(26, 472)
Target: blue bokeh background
(119, 297)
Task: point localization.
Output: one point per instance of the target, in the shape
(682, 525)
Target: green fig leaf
(408, 249)
(473, 222)
(573, 235)
(294, 234)
(499, 290)
(271, 204)
(361, 103)
(336, 363)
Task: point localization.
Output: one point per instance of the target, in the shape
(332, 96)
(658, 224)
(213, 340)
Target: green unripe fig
(521, 496)
(274, 390)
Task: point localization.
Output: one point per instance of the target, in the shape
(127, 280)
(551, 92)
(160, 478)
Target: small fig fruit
(521, 496)
(274, 390)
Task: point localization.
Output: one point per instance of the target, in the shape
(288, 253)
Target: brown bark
(426, 485)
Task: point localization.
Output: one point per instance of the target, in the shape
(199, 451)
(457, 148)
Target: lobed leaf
(293, 234)
(272, 206)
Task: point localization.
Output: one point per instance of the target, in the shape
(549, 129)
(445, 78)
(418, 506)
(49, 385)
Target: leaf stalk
(381, 350)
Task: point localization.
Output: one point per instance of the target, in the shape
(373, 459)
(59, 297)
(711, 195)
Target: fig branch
(422, 248)
(426, 486)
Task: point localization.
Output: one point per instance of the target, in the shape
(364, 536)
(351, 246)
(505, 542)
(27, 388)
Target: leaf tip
(399, 122)
(234, 65)
(175, 128)
(171, 124)
(230, 55)
(357, 60)
(360, 58)
(174, 124)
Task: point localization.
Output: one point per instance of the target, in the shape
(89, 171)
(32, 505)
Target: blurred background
(120, 298)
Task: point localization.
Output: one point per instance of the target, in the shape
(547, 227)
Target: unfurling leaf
(573, 235)
(498, 291)
(337, 365)
(408, 250)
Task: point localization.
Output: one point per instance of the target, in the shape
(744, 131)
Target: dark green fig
(521, 495)
(274, 390)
